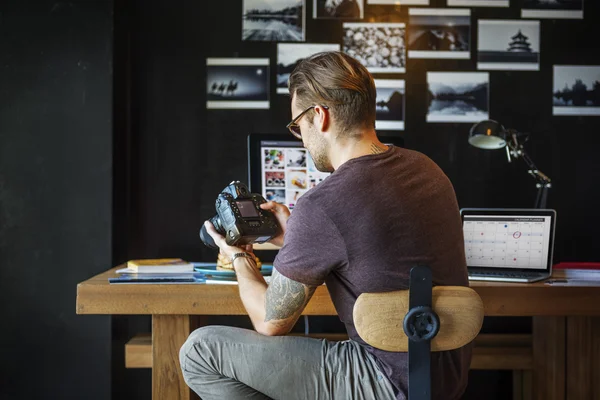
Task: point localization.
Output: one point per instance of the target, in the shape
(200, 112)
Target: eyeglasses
(294, 127)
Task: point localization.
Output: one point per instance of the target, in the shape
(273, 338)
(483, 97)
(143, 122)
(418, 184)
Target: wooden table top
(97, 296)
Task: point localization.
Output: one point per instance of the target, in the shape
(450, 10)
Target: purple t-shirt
(363, 228)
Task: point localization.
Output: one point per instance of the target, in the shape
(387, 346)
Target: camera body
(240, 219)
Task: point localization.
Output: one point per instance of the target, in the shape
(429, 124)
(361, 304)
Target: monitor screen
(508, 240)
(281, 169)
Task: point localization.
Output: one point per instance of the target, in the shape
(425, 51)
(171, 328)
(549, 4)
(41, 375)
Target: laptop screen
(506, 240)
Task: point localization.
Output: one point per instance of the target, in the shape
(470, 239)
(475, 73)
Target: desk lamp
(491, 135)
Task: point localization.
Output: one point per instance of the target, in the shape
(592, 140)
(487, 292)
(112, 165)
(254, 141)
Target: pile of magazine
(177, 271)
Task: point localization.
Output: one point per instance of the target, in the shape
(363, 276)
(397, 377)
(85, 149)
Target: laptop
(508, 245)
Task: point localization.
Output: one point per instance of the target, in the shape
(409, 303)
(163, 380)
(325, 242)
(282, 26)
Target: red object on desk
(577, 265)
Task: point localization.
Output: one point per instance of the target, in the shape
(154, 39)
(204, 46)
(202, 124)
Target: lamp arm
(517, 150)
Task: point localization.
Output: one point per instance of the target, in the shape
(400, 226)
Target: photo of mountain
(458, 96)
(576, 90)
(273, 20)
(564, 9)
(478, 3)
(390, 104)
(439, 33)
(508, 45)
(240, 83)
(338, 9)
(290, 54)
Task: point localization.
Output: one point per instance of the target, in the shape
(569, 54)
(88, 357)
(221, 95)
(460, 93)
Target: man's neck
(344, 150)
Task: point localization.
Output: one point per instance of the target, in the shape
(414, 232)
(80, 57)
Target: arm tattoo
(376, 149)
(285, 297)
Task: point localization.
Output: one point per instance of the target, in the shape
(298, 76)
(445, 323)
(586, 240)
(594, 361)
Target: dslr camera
(240, 219)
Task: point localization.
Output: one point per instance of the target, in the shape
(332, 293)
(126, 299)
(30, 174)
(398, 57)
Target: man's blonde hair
(336, 80)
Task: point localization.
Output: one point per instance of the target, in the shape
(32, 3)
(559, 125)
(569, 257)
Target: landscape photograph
(237, 83)
(273, 20)
(576, 90)
(338, 9)
(478, 3)
(439, 33)
(564, 9)
(389, 104)
(290, 54)
(458, 96)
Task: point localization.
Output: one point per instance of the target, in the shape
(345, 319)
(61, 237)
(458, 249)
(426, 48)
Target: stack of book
(162, 270)
(178, 271)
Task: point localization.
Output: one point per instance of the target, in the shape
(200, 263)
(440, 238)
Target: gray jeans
(221, 362)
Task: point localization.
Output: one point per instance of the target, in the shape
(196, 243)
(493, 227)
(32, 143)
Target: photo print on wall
(290, 54)
(400, 2)
(458, 96)
(390, 104)
(338, 9)
(478, 3)
(564, 9)
(439, 33)
(273, 20)
(576, 90)
(237, 83)
(508, 45)
(381, 47)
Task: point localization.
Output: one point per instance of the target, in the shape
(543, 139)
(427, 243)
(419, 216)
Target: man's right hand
(282, 213)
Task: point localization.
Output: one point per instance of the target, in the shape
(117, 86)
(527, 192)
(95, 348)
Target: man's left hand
(224, 248)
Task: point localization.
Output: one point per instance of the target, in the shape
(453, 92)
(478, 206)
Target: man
(381, 212)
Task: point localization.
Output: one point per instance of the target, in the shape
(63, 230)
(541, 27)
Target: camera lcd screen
(247, 208)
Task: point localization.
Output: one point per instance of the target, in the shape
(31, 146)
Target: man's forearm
(252, 288)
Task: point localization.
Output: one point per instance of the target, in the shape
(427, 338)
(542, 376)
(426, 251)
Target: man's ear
(322, 119)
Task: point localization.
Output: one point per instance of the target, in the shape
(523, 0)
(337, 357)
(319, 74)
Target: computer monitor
(281, 169)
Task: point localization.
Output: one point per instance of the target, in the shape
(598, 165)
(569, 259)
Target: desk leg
(169, 332)
(549, 358)
(583, 353)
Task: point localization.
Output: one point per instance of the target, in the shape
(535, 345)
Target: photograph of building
(508, 45)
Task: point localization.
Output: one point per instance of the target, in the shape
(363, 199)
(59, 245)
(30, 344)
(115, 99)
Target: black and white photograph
(389, 106)
(338, 9)
(381, 47)
(439, 33)
(576, 90)
(400, 2)
(273, 20)
(237, 83)
(555, 9)
(478, 3)
(458, 96)
(290, 54)
(508, 45)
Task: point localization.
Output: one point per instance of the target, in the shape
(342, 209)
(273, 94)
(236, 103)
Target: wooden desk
(566, 327)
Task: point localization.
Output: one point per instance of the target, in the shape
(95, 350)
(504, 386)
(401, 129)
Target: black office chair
(419, 320)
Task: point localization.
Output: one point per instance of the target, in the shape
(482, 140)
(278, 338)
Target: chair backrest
(378, 318)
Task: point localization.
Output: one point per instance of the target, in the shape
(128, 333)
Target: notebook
(510, 245)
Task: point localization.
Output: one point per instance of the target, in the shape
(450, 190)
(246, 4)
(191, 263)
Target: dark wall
(175, 156)
(55, 195)
(182, 155)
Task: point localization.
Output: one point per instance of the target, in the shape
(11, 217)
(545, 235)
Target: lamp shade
(488, 134)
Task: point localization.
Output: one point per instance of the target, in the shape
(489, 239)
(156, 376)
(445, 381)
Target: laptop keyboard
(505, 274)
